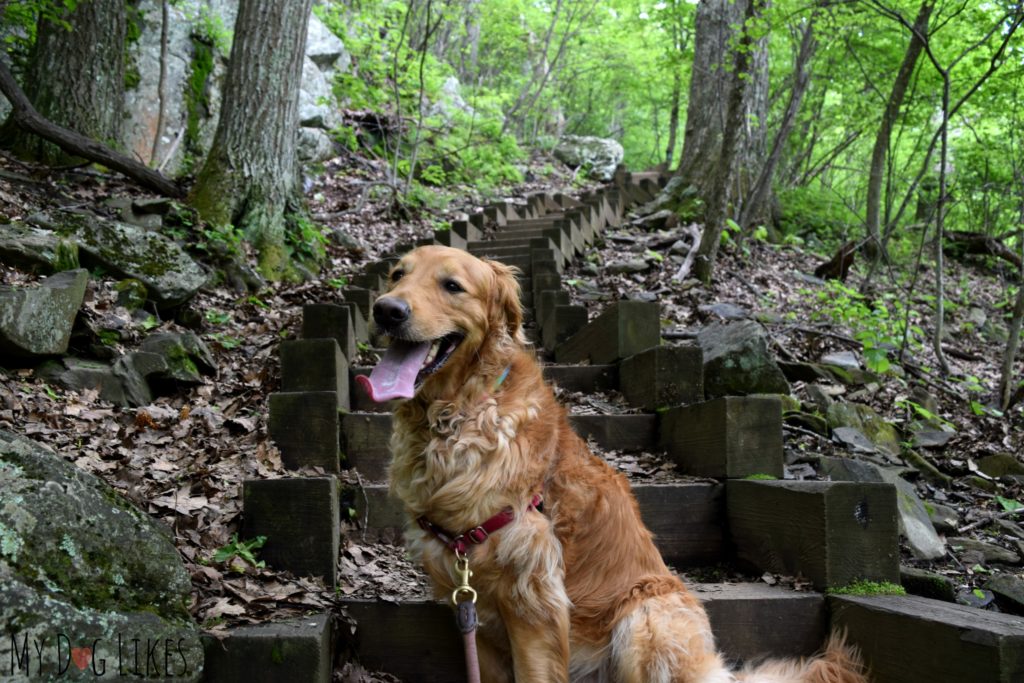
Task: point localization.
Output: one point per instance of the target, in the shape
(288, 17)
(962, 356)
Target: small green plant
(338, 282)
(869, 588)
(240, 550)
(1009, 504)
(922, 412)
(150, 323)
(226, 341)
(760, 476)
(215, 317)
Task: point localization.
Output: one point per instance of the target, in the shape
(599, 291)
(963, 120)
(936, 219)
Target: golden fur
(579, 591)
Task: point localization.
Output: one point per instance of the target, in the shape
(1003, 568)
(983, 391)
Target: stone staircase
(725, 508)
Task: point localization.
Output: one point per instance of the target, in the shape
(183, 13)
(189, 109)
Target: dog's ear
(506, 308)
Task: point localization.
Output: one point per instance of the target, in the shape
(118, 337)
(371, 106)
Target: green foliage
(760, 476)
(1008, 504)
(877, 324)
(305, 238)
(237, 549)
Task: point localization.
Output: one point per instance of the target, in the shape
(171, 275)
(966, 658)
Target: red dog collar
(478, 534)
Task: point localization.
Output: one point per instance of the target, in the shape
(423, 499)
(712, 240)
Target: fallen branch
(687, 265)
(959, 243)
(25, 115)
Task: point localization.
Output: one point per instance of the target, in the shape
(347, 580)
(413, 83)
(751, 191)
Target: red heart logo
(81, 657)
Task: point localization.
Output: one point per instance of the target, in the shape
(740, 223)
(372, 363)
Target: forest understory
(183, 457)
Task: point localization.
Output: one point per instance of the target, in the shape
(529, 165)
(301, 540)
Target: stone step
(832, 533)
(585, 378)
(687, 518)
(299, 517)
(365, 437)
(304, 426)
(417, 639)
(300, 649)
(559, 232)
(909, 639)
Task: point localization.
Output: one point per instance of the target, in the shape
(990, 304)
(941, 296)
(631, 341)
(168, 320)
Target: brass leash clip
(462, 569)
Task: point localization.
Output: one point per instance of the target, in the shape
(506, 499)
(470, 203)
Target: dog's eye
(453, 286)
(397, 274)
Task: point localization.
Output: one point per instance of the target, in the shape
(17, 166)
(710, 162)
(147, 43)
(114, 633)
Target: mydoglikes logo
(57, 655)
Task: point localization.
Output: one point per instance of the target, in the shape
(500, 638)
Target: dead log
(838, 267)
(960, 243)
(26, 116)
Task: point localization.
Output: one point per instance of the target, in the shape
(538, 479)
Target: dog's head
(444, 309)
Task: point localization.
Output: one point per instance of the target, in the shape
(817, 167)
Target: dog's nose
(390, 311)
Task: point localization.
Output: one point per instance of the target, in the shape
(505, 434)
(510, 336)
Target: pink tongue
(395, 374)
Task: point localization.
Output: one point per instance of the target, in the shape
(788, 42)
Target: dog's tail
(839, 662)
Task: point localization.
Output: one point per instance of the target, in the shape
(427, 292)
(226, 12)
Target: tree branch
(26, 116)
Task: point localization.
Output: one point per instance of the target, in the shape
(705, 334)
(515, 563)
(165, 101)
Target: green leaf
(1009, 504)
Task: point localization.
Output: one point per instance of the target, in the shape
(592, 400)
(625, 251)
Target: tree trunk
(673, 118)
(75, 79)
(760, 195)
(717, 207)
(710, 86)
(250, 177)
(873, 246)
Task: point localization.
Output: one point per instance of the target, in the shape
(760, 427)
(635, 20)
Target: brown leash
(465, 616)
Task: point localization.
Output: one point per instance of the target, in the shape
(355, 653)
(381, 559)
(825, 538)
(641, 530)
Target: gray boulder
(34, 249)
(737, 362)
(600, 155)
(325, 48)
(85, 577)
(127, 251)
(37, 321)
(316, 109)
(186, 356)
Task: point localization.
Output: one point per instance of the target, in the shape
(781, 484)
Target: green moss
(197, 97)
(759, 476)
(869, 588)
(277, 654)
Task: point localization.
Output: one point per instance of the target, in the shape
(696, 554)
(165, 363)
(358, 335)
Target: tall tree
(250, 176)
(712, 81)
(722, 177)
(880, 152)
(75, 78)
(756, 205)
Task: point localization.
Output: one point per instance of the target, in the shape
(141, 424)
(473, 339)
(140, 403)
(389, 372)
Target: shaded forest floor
(184, 458)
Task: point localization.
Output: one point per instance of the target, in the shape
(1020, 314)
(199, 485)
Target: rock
(77, 559)
(915, 524)
(324, 48)
(809, 421)
(927, 584)
(131, 294)
(133, 370)
(126, 251)
(737, 362)
(37, 321)
(1009, 592)
(867, 421)
(1000, 465)
(975, 552)
(314, 145)
(1010, 528)
(930, 438)
(599, 155)
(821, 398)
(316, 109)
(842, 359)
(725, 311)
(632, 266)
(943, 517)
(977, 317)
(75, 374)
(450, 101)
(186, 356)
(854, 440)
(28, 247)
(976, 598)
(659, 220)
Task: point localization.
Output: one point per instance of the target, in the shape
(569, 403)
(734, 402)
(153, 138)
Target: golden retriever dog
(570, 589)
